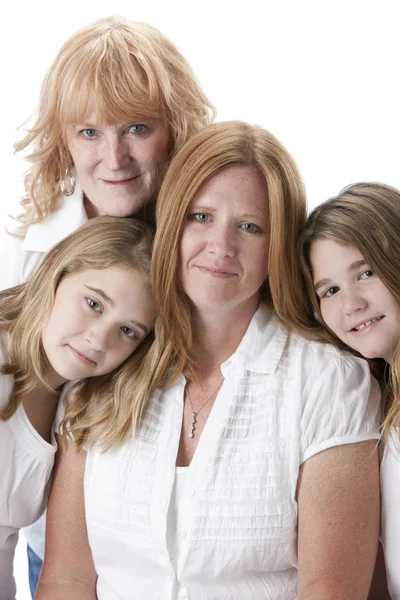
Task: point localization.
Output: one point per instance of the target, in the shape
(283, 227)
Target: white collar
(262, 345)
(68, 216)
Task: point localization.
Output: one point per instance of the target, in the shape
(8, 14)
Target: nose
(116, 152)
(353, 300)
(99, 336)
(222, 241)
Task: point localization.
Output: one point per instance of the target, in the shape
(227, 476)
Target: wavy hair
(131, 71)
(101, 243)
(367, 216)
(209, 151)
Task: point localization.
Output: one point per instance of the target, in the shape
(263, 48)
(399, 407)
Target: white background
(321, 76)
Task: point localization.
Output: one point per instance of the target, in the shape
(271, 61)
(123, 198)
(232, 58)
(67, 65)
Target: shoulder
(315, 358)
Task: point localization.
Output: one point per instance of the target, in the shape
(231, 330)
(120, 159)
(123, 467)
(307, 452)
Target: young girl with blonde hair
(350, 258)
(86, 314)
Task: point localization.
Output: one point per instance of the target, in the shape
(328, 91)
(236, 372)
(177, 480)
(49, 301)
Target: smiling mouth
(82, 357)
(216, 272)
(366, 324)
(117, 182)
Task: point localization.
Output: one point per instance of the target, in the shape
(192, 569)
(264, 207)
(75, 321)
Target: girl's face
(99, 317)
(354, 302)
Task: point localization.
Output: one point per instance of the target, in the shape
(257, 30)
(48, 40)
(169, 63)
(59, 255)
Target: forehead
(237, 185)
(328, 256)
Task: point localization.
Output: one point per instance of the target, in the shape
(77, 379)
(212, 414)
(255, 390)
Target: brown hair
(367, 216)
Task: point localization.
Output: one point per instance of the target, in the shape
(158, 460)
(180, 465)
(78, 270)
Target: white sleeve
(10, 262)
(17, 264)
(390, 521)
(341, 406)
(26, 462)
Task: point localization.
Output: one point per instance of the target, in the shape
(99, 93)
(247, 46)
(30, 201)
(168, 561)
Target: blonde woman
(252, 473)
(86, 314)
(351, 262)
(116, 103)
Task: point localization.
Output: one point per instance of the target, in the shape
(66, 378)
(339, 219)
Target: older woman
(118, 100)
(252, 473)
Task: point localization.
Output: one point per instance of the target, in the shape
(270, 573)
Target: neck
(216, 336)
(54, 380)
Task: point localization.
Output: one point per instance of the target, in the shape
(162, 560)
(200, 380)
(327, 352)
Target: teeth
(367, 323)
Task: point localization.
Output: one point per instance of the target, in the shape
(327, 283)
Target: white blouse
(19, 258)
(283, 400)
(390, 521)
(26, 462)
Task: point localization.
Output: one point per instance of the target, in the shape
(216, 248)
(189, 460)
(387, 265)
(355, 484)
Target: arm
(338, 526)
(68, 570)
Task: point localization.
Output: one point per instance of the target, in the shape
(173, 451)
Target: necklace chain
(194, 414)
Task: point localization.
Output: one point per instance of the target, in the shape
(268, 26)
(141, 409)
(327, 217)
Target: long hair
(204, 155)
(367, 216)
(130, 71)
(100, 243)
(214, 148)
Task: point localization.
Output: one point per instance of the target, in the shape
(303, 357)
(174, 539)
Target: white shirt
(19, 258)
(26, 462)
(390, 519)
(283, 400)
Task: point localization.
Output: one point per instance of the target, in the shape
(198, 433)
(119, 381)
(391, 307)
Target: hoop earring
(67, 188)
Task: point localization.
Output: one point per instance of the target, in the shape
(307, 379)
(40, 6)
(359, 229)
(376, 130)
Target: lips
(81, 356)
(117, 182)
(361, 325)
(216, 271)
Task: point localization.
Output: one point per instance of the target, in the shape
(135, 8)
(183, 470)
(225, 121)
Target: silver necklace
(194, 414)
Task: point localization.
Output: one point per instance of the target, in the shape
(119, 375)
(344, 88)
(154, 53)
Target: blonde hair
(101, 243)
(204, 155)
(367, 216)
(131, 71)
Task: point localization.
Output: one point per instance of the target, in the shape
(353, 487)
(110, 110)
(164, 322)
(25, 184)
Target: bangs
(116, 86)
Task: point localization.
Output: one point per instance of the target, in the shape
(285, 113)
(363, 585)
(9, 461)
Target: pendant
(192, 425)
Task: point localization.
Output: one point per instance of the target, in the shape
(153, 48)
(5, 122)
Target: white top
(26, 462)
(390, 521)
(283, 400)
(19, 258)
(176, 520)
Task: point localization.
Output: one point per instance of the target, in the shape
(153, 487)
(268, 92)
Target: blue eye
(129, 332)
(88, 133)
(138, 128)
(200, 217)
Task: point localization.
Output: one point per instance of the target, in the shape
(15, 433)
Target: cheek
(330, 316)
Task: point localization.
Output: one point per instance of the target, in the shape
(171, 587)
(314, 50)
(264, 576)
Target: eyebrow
(107, 299)
(102, 295)
(352, 267)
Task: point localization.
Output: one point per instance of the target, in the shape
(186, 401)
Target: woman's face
(120, 167)
(99, 317)
(225, 241)
(354, 302)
